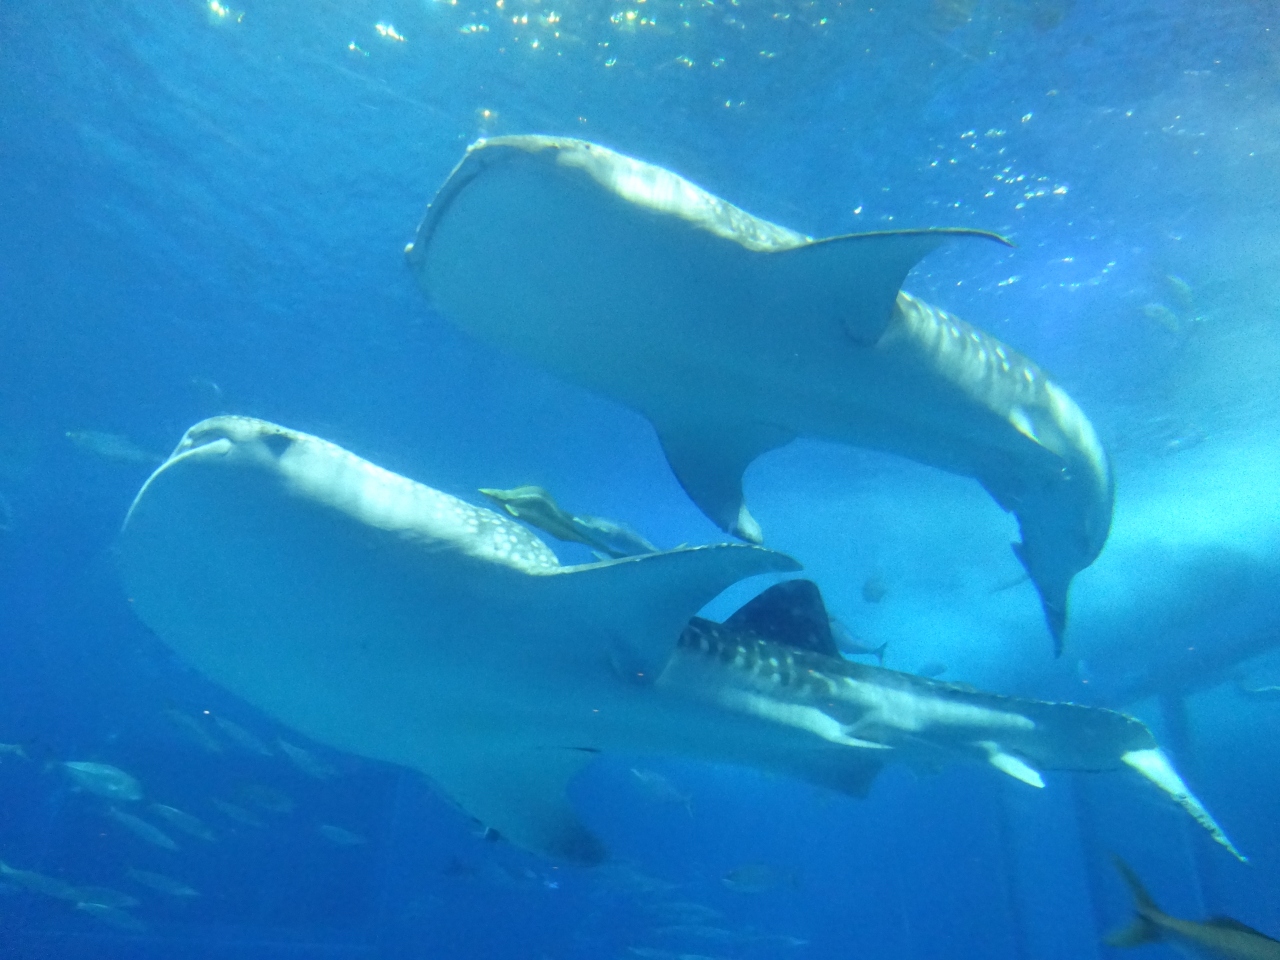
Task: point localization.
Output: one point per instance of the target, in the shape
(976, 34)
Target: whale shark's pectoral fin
(709, 460)
(520, 793)
(856, 277)
(1006, 762)
(636, 607)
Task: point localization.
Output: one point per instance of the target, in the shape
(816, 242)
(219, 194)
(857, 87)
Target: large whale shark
(734, 335)
(391, 620)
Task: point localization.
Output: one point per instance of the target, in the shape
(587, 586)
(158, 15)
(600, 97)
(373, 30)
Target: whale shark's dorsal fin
(791, 613)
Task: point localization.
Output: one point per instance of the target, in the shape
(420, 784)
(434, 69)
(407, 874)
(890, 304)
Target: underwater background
(203, 209)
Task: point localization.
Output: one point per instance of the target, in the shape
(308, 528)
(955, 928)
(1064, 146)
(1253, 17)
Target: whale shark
(733, 336)
(382, 617)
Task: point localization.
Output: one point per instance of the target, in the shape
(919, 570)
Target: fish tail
(879, 652)
(1143, 929)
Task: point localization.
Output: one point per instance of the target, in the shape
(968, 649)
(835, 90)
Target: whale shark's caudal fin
(1153, 764)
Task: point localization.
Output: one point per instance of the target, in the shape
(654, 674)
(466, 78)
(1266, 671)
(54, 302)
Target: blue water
(202, 210)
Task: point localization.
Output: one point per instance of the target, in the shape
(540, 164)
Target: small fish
(105, 896)
(699, 931)
(12, 750)
(306, 761)
(662, 790)
(241, 737)
(755, 878)
(874, 589)
(686, 911)
(1162, 315)
(265, 798)
(238, 814)
(781, 940)
(142, 830)
(343, 838)
(934, 668)
(103, 779)
(160, 883)
(184, 821)
(1010, 582)
(37, 882)
(114, 917)
(112, 446)
(851, 646)
(1264, 692)
(193, 730)
(1220, 937)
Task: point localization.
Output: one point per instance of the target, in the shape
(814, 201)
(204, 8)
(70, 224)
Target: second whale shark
(382, 617)
(734, 336)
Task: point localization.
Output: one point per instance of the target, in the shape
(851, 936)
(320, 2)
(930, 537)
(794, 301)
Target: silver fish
(306, 761)
(112, 446)
(265, 798)
(114, 917)
(161, 883)
(194, 730)
(142, 830)
(339, 836)
(37, 882)
(756, 878)
(184, 821)
(242, 737)
(238, 813)
(661, 789)
(851, 646)
(103, 779)
(105, 896)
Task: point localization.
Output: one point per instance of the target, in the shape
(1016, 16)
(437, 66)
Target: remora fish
(1219, 938)
(382, 617)
(539, 509)
(734, 336)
